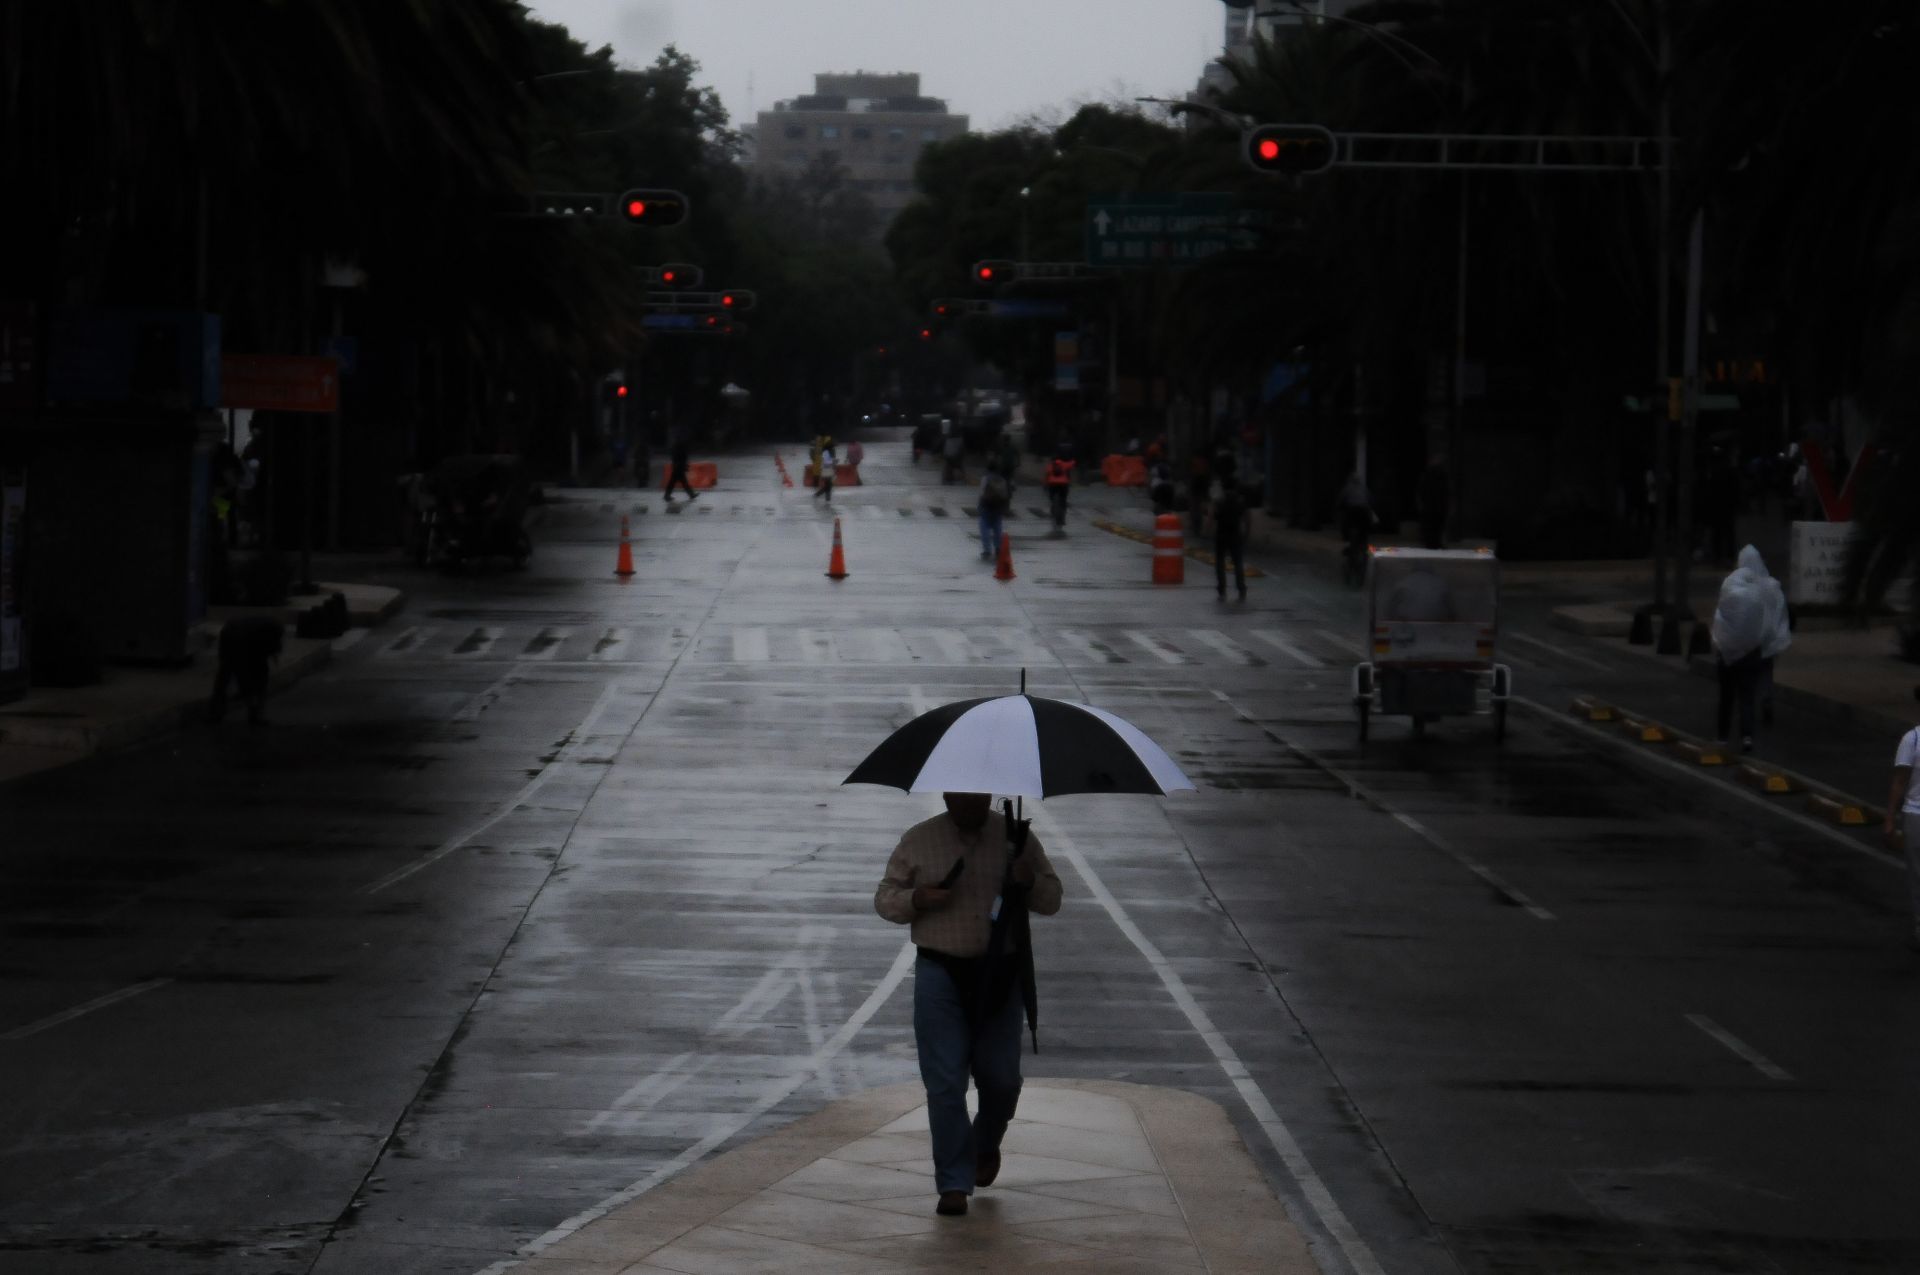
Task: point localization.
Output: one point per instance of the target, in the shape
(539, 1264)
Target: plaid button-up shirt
(924, 857)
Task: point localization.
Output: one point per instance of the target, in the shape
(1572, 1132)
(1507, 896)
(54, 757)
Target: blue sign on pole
(1027, 309)
(671, 321)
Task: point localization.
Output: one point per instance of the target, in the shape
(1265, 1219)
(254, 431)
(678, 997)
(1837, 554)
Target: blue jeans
(950, 1049)
(991, 521)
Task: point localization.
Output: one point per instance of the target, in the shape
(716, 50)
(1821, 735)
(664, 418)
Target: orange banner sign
(280, 382)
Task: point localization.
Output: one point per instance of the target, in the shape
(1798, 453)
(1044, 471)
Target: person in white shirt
(1902, 827)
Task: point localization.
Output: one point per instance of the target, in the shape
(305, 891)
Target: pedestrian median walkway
(1098, 1178)
(53, 726)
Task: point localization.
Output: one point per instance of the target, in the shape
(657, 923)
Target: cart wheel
(1365, 710)
(1499, 722)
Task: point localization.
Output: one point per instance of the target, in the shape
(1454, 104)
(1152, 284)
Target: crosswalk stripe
(1095, 652)
(1273, 639)
(545, 644)
(408, 639)
(612, 645)
(1227, 647)
(1155, 647)
(816, 645)
(750, 646)
(477, 643)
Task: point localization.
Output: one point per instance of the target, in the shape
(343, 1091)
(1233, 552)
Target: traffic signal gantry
(1289, 150)
(648, 207)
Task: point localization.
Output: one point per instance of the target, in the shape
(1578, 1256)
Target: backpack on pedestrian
(995, 492)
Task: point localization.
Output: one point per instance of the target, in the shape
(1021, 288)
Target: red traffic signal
(653, 207)
(678, 274)
(738, 300)
(620, 392)
(989, 272)
(926, 334)
(1288, 150)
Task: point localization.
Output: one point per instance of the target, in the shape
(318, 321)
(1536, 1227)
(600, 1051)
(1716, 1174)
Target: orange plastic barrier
(1124, 471)
(1169, 550)
(702, 473)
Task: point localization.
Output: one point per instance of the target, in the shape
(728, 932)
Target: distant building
(1269, 18)
(873, 125)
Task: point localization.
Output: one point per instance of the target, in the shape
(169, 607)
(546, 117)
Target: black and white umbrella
(1020, 746)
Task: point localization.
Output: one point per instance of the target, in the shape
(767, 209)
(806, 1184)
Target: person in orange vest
(1058, 479)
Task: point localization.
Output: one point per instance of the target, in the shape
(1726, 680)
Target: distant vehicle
(1433, 616)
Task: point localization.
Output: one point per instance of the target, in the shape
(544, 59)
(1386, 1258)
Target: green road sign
(1165, 229)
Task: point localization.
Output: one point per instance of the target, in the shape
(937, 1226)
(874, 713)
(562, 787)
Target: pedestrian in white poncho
(1749, 629)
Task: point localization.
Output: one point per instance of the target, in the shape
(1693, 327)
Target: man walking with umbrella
(966, 881)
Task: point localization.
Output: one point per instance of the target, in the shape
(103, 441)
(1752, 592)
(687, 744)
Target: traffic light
(946, 308)
(737, 301)
(620, 391)
(653, 208)
(678, 274)
(987, 273)
(1288, 150)
(926, 334)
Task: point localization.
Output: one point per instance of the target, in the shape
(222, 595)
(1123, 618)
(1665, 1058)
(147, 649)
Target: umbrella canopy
(1020, 746)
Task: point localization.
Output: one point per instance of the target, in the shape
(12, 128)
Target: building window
(929, 134)
(862, 134)
(796, 131)
(889, 159)
(796, 157)
(829, 131)
(896, 134)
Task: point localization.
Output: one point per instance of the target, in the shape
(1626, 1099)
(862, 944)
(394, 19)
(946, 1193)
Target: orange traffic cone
(1169, 550)
(624, 565)
(1003, 569)
(837, 563)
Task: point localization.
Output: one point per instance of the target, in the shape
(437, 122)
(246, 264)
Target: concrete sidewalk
(1098, 1178)
(53, 726)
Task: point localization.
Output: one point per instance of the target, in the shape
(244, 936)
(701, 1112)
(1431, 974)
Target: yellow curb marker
(1593, 710)
(1701, 754)
(1648, 732)
(1840, 812)
(1770, 781)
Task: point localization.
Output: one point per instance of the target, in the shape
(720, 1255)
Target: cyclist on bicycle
(1058, 479)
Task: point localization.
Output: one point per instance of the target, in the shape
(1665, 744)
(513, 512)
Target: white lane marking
(816, 645)
(1408, 822)
(477, 643)
(954, 646)
(407, 640)
(68, 1015)
(1273, 639)
(1348, 645)
(545, 644)
(1089, 650)
(1318, 1197)
(574, 743)
(1747, 1053)
(1557, 652)
(1478, 869)
(350, 639)
(612, 645)
(1640, 752)
(1153, 646)
(771, 1097)
(1226, 646)
(881, 646)
(750, 646)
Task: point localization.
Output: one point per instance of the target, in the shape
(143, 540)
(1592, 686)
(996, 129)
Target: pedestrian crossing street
(765, 644)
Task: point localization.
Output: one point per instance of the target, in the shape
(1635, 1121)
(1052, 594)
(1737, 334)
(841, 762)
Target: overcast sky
(993, 60)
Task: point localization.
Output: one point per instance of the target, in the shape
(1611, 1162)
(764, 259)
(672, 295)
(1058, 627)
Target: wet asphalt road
(546, 889)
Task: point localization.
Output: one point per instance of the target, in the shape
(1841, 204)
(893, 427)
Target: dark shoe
(952, 1204)
(1746, 743)
(986, 1168)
